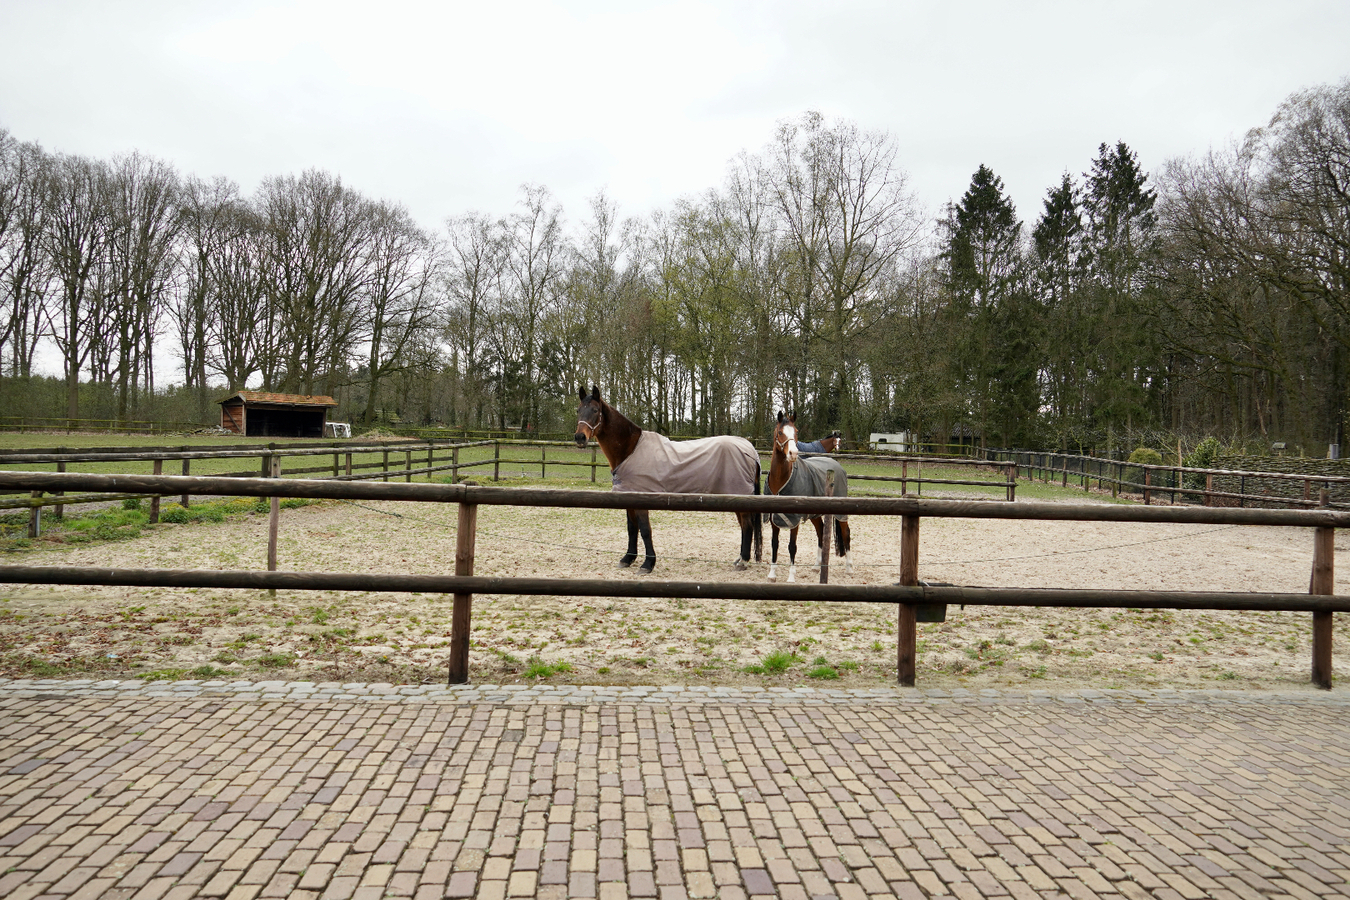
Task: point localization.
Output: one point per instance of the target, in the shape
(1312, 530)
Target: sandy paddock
(328, 636)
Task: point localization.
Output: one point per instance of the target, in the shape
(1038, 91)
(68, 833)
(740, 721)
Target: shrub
(1205, 454)
(1146, 456)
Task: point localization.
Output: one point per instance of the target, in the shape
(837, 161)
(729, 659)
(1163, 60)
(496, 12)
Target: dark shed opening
(263, 414)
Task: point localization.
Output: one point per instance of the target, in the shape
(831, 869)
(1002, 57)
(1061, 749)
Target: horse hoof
(739, 565)
(773, 576)
(646, 570)
(625, 563)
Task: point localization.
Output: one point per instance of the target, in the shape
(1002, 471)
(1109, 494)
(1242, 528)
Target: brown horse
(828, 444)
(648, 462)
(793, 475)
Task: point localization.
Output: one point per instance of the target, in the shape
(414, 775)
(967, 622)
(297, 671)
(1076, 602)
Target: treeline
(1209, 299)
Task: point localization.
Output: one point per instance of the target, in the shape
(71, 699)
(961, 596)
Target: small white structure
(337, 429)
(885, 441)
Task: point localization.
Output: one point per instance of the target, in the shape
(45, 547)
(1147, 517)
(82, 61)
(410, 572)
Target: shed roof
(279, 399)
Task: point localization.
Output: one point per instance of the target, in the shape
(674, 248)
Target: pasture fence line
(1191, 485)
(61, 423)
(909, 594)
(358, 461)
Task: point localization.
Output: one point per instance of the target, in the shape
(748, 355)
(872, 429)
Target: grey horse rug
(808, 480)
(715, 465)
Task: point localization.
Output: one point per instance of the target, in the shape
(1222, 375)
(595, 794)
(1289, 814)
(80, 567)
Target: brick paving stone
(674, 794)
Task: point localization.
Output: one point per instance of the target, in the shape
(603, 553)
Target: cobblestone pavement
(189, 789)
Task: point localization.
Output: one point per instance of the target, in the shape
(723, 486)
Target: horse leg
(747, 522)
(792, 556)
(645, 529)
(773, 553)
(845, 545)
(627, 559)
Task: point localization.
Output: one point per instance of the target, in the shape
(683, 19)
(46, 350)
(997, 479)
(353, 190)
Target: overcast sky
(451, 107)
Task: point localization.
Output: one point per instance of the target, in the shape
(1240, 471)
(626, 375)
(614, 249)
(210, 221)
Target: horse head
(785, 436)
(590, 415)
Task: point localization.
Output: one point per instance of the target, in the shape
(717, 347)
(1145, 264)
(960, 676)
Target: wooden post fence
(274, 515)
(460, 615)
(186, 499)
(154, 501)
(908, 595)
(35, 518)
(827, 531)
(59, 512)
(907, 628)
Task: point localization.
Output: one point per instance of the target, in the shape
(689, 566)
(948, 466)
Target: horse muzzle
(580, 439)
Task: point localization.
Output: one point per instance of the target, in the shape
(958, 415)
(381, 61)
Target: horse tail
(839, 548)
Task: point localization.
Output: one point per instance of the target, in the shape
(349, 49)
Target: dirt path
(327, 636)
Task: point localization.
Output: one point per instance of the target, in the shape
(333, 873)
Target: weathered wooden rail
(409, 460)
(908, 594)
(1158, 481)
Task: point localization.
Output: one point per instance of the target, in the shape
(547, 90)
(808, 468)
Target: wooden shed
(262, 414)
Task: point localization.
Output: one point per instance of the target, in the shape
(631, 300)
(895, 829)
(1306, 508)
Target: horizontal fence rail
(909, 594)
(656, 589)
(331, 489)
(1195, 485)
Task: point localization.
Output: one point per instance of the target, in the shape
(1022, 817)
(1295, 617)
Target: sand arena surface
(332, 636)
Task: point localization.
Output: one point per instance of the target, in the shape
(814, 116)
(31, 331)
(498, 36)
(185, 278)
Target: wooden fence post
(1323, 577)
(35, 518)
(154, 501)
(496, 460)
(349, 463)
(454, 464)
(543, 462)
(1148, 480)
(385, 463)
(186, 499)
(60, 510)
(594, 448)
(1209, 488)
(407, 466)
(826, 532)
(460, 615)
(907, 637)
(274, 515)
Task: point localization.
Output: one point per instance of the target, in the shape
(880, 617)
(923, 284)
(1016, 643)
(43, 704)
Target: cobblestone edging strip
(293, 691)
(273, 789)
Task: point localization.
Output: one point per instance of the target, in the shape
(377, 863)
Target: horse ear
(583, 394)
(595, 392)
(780, 417)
